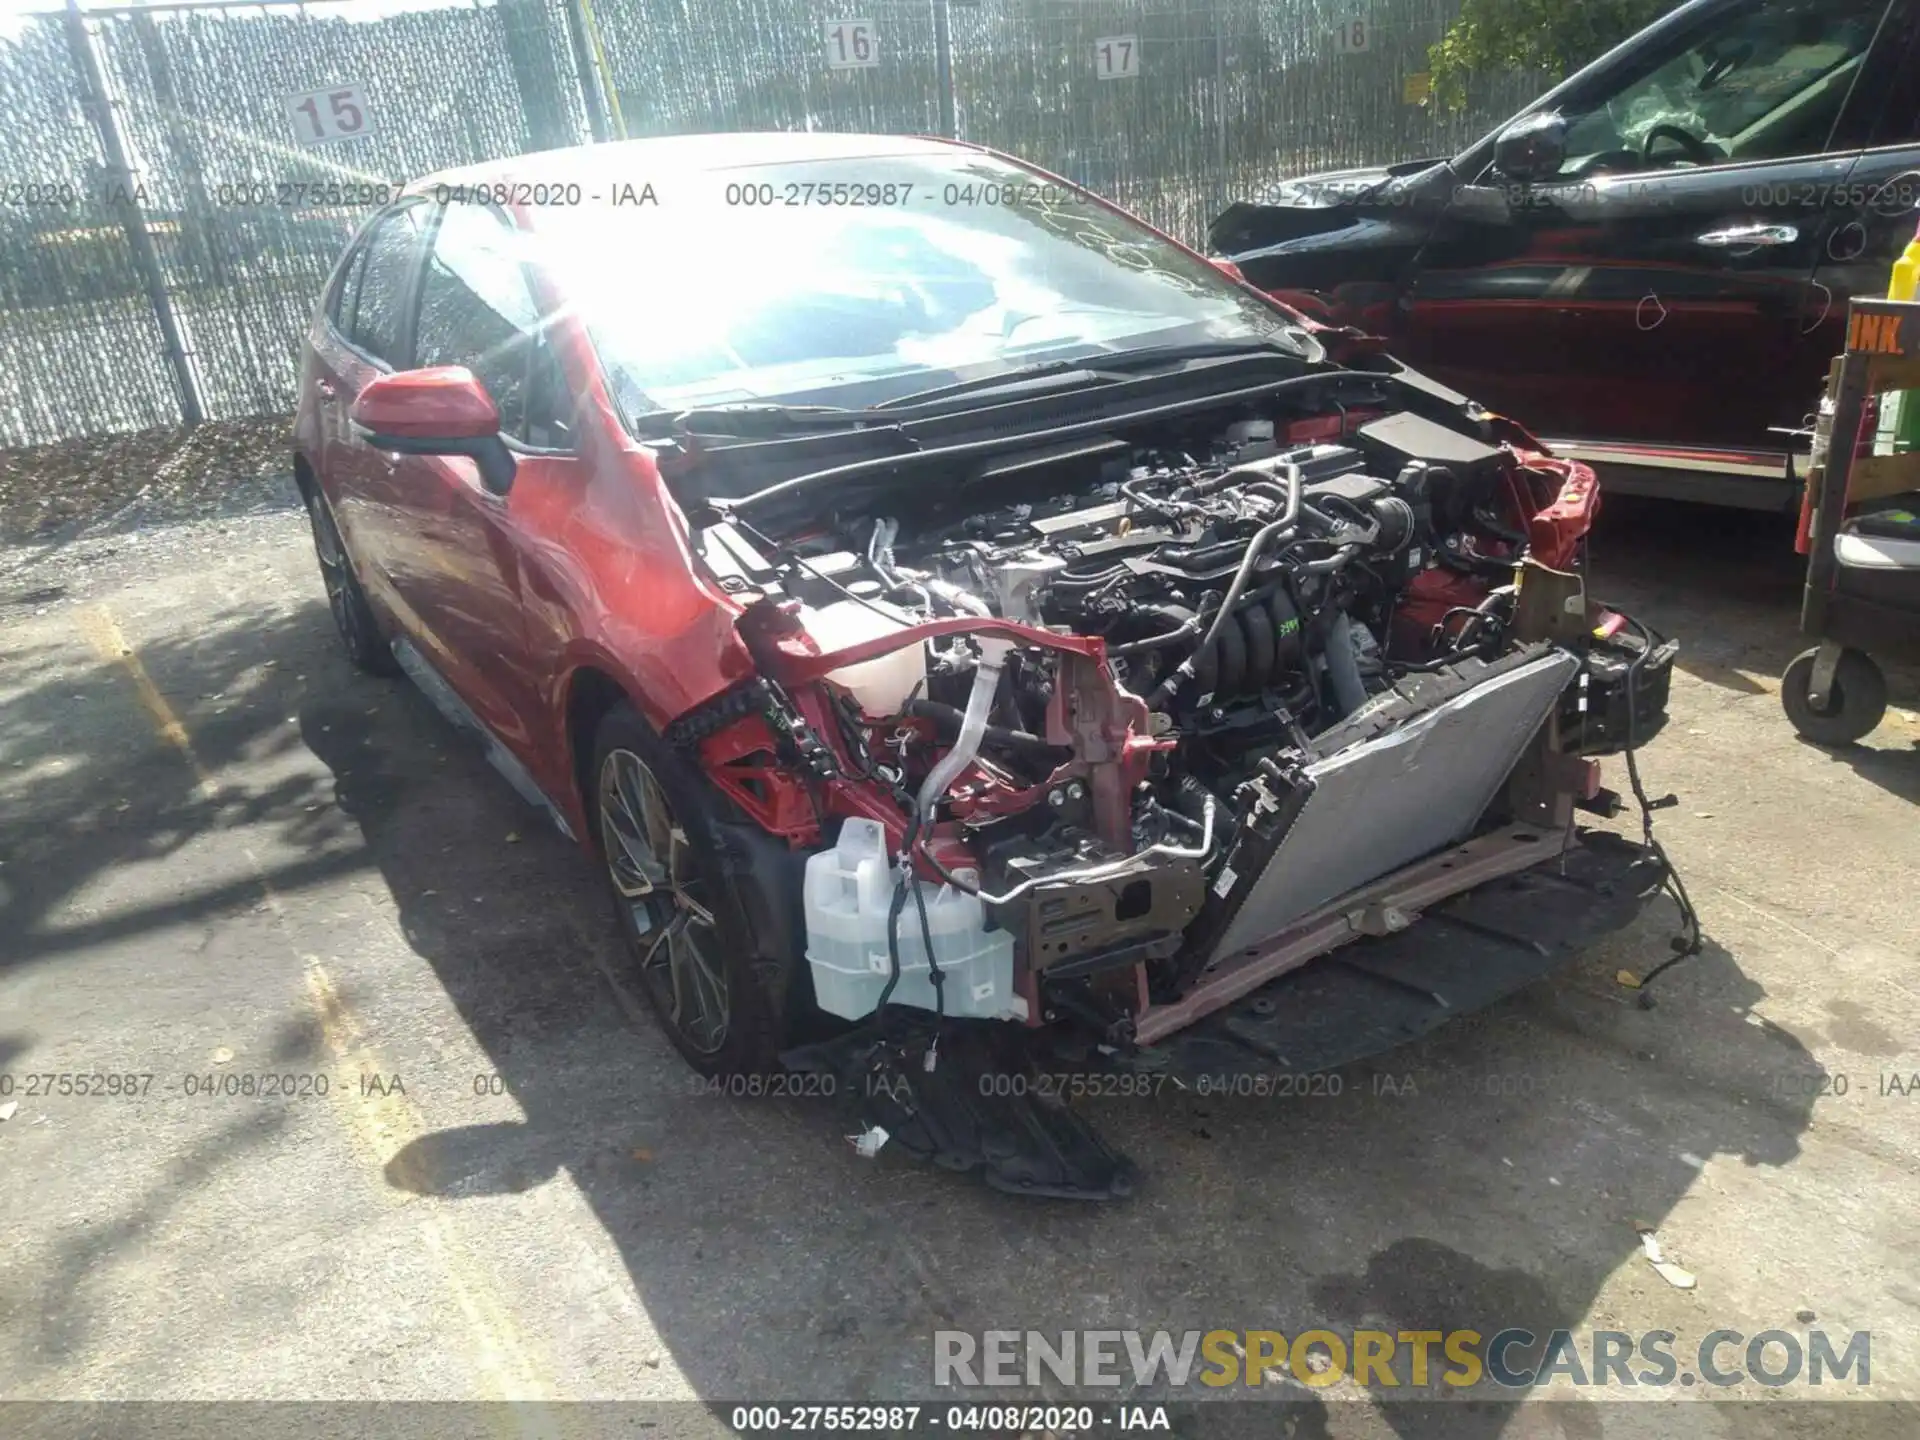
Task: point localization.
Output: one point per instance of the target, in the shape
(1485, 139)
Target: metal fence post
(1219, 110)
(588, 73)
(200, 223)
(943, 61)
(99, 107)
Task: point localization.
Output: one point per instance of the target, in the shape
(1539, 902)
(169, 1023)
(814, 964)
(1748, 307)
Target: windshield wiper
(1011, 379)
(1100, 368)
(1144, 355)
(752, 417)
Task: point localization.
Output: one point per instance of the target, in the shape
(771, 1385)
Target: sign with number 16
(852, 45)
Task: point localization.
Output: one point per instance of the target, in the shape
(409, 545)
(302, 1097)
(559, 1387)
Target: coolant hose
(973, 726)
(1343, 666)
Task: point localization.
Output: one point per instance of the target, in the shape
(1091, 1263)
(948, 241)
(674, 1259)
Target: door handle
(326, 388)
(1748, 237)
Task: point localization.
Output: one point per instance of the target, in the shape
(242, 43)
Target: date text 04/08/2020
(857, 193)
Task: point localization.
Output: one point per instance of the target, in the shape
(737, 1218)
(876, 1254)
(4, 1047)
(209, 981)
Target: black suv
(1652, 262)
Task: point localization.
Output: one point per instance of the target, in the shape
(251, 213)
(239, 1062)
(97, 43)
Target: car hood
(1312, 204)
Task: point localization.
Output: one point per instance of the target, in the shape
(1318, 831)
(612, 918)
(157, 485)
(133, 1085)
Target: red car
(976, 634)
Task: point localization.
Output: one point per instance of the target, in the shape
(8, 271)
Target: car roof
(643, 160)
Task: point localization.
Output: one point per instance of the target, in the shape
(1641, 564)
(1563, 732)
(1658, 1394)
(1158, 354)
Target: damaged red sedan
(979, 638)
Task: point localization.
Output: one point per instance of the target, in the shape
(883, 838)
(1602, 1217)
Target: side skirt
(457, 713)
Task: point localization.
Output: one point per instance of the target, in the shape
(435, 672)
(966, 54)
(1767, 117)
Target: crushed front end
(1191, 752)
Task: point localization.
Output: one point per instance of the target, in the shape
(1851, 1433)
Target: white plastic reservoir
(849, 890)
(881, 685)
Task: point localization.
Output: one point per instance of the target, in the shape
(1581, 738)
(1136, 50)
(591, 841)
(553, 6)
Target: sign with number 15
(323, 116)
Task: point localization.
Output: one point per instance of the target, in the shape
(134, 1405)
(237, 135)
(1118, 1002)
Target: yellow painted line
(383, 1124)
(103, 633)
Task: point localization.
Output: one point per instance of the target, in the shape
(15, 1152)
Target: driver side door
(1654, 292)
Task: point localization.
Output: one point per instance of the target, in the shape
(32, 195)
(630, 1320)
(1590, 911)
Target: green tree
(1555, 36)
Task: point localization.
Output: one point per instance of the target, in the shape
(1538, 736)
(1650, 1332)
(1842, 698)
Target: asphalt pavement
(389, 1123)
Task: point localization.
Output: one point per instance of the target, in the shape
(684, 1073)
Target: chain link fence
(179, 179)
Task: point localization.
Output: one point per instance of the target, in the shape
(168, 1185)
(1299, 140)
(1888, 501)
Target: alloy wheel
(653, 869)
(333, 566)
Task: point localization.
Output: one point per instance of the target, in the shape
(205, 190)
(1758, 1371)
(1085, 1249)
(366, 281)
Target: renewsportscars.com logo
(1513, 1359)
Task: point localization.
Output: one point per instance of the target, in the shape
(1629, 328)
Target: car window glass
(476, 310)
(348, 290)
(956, 265)
(1898, 120)
(1763, 82)
(379, 312)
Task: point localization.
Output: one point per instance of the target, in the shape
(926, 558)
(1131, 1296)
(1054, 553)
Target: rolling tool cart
(1860, 532)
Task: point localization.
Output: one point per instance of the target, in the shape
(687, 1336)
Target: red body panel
(585, 563)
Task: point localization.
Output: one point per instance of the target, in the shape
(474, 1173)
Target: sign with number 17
(1116, 57)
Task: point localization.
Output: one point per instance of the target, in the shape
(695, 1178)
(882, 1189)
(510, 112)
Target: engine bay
(1043, 734)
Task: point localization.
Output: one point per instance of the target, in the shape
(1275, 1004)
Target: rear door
(1654, 292)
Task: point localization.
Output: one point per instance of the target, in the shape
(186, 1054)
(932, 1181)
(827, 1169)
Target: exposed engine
(1241, 597)
(1090, 723)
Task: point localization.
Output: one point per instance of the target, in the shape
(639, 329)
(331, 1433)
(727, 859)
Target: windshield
(850, 282)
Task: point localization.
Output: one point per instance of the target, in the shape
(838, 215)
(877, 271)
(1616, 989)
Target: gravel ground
(224, 852)
(56, 496)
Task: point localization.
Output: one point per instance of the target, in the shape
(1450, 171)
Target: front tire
(702, 973)
(1856, 701)
(360, 633)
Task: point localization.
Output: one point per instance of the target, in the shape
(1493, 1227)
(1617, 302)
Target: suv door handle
(1748, 237)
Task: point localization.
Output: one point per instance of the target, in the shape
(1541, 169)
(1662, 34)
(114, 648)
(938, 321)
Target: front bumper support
(983, 1107)
(1378, 993)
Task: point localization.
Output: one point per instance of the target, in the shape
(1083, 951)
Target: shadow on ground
(82, 793)
(1466, 1207)
(1728, 582)
(771, 1261)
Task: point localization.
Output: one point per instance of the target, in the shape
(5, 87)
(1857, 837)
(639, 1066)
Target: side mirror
(1532, 149)
(440, 411)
